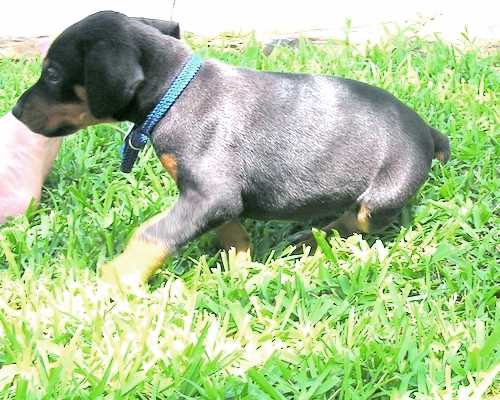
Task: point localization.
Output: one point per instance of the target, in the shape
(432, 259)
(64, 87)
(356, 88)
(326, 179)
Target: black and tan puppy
(239, 143)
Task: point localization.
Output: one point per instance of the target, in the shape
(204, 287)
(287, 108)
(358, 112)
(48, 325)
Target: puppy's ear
(170, 28)
(112, 75)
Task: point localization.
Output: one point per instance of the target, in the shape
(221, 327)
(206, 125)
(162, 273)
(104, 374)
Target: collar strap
(141, 133)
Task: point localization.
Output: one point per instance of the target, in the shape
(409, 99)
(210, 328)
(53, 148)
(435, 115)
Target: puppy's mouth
(37, 124)
(63, 130)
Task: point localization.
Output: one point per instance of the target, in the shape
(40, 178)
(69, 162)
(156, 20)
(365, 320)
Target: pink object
(25, 161)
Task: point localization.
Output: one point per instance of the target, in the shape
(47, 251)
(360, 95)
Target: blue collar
(139, 134)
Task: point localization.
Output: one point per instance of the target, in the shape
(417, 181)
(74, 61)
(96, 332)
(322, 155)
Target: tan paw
(126, 281)
(133, 268)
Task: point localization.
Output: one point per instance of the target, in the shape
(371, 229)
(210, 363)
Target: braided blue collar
(139, 134)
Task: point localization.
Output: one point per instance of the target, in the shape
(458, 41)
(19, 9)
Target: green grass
(413, 313)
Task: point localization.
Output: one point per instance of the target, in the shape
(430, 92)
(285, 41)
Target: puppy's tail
(441, 146)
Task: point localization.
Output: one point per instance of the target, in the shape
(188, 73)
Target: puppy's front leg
(193, 214)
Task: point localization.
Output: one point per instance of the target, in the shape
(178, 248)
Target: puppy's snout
(17, 111)
(31, 111)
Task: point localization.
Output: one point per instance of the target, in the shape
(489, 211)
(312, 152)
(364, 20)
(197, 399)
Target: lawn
(413, 313)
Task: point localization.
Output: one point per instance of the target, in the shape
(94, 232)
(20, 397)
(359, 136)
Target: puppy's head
(91, 73)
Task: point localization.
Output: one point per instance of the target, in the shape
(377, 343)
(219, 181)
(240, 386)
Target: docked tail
(441, 146)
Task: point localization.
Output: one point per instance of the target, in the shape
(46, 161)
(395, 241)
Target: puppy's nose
(17, 111)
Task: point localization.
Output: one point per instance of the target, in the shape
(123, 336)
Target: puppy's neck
(162, 60)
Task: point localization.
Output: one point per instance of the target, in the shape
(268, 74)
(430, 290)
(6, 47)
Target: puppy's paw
(115, 275)
(242, 257)
(131, 270)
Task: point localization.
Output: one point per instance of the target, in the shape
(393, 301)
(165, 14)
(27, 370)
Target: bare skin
(25, 161)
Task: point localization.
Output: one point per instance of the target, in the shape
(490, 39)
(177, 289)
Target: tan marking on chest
(170, 164)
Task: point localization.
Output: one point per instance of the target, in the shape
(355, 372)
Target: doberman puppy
(239, 143)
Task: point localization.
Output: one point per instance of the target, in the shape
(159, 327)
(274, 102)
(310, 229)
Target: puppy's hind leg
(373, 220)
(441, 146)
(360, 220)
(383, 201)
(233, 235)
(376, 208)
(345, 225)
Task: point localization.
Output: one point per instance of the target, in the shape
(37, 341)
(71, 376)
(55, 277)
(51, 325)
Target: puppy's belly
(295, 209)
(294, 194)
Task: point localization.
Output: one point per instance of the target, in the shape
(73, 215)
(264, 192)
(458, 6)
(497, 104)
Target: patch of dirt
(20, 47)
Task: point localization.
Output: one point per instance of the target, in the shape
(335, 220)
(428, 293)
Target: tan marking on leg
(233, 235)
(345, 225)
(138, 262)
(135, 265)
(363, 219)
(170, 164)
(439, 155)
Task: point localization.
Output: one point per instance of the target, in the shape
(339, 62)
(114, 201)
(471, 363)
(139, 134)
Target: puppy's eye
(52, 75)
